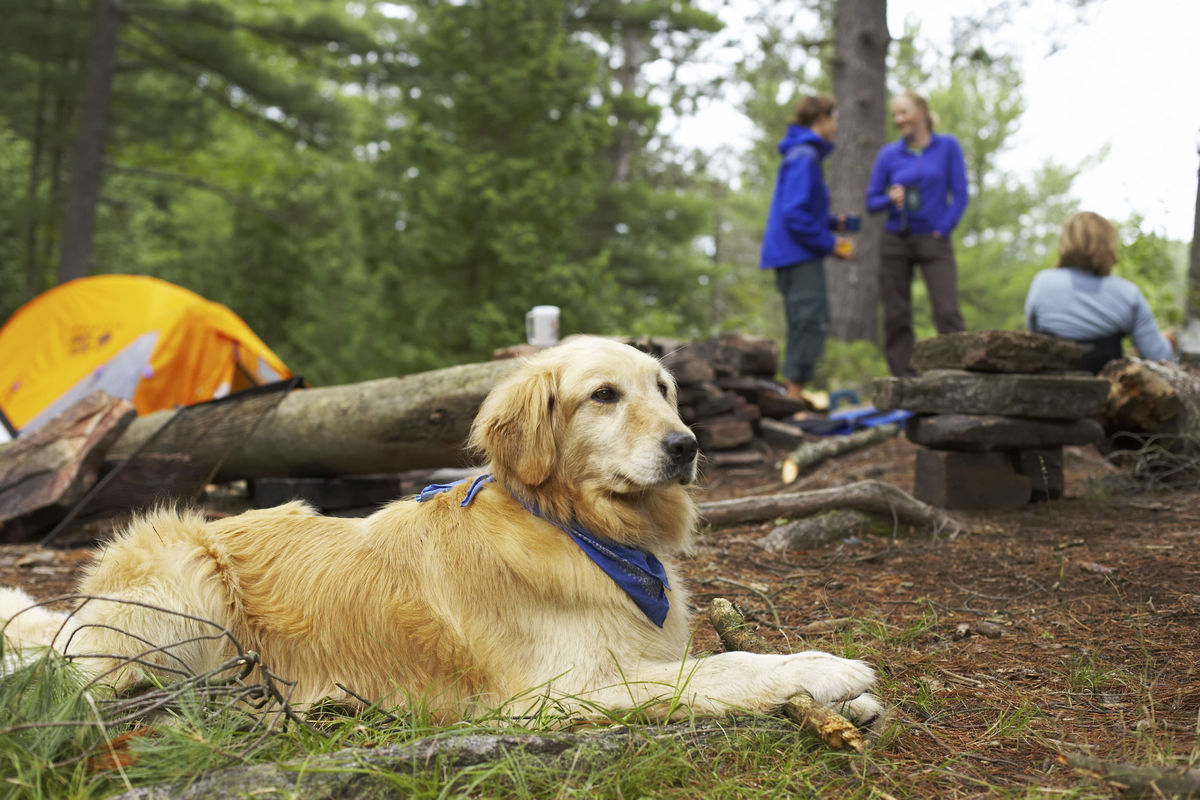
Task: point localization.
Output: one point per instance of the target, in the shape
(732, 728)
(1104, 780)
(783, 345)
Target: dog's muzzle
(681, 449)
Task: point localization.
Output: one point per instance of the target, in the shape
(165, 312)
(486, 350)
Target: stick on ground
(832, 728)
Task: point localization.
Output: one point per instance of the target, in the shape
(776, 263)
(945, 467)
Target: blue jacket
(798, 222)
(938, 176)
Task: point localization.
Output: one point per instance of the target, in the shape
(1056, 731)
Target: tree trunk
(387, 425)
(859, 83)
(32, 278)
(1190, 338)
(79, 223)
(633, 46)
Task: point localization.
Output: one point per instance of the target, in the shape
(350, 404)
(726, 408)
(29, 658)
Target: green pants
(806, 309)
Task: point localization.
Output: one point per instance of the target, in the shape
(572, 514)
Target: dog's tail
(26, 624)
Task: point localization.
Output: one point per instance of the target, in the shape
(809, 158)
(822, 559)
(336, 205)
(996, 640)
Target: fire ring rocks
(992, 411)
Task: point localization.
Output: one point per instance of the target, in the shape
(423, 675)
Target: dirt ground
(1068, 626)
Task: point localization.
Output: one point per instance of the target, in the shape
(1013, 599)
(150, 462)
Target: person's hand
(841, 223)
(842, 247)
(896, 193)
(1172, 337)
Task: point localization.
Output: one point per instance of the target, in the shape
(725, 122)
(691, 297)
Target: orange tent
(141, 338)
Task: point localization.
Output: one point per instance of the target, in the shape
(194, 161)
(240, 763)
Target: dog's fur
(458, 608)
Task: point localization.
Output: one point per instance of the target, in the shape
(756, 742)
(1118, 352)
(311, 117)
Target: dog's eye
(662, 388)
(606, 394)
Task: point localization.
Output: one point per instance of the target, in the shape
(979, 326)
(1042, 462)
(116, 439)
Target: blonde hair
(812, 108)
(1088, 241)
(921, 103)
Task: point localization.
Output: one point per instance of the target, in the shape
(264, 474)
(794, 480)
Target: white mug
(541, 326)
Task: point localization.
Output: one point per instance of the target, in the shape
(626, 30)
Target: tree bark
(859, 83)
(1189, 338)
(44, 473)
(80, 220)
(387, 425)
(1153, 398)
(873, 497)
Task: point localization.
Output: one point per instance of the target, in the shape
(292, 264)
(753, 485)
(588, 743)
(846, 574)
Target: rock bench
(992, 411)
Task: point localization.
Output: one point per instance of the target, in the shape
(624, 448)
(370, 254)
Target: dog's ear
(514, 428)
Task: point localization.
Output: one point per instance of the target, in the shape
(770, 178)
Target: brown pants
(898, 256)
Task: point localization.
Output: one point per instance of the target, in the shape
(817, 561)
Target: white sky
(1127, 76)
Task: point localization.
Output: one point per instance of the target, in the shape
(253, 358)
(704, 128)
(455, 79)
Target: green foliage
(382, 188)
(1158, 266)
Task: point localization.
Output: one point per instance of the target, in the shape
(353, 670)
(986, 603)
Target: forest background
(385, 188)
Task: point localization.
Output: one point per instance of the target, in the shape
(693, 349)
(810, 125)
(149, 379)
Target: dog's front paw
(831, 680)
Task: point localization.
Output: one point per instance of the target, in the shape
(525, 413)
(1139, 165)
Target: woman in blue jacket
(921, 180)
(798, 237)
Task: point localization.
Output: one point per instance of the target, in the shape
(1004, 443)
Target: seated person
(1079, 300)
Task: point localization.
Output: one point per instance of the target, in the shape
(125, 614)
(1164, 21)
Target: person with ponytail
(799, 235)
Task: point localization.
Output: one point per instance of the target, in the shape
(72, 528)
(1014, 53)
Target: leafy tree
(177, 65)
(519, 172)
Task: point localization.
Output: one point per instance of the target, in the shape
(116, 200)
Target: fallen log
(387, 425)
(1134, 780)
(1152, 398)
(801, 708)
(818, 529)
(356, 772)
(810, 454)
(874, 497)
(44, 473)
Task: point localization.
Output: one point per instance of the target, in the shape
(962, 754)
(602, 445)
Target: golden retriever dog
(551, 585)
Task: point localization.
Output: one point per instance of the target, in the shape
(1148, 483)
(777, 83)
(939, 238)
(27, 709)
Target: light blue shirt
(1072, 303)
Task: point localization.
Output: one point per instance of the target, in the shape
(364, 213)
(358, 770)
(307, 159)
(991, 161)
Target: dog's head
(589, 421)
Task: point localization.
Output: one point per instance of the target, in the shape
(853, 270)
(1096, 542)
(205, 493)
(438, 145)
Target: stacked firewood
(729, 396)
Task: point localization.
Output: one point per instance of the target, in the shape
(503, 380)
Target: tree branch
(801, 708)
(874, 497)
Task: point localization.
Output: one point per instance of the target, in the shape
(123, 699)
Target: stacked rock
(992, 411)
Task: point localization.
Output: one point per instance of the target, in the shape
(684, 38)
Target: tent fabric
(151, 342)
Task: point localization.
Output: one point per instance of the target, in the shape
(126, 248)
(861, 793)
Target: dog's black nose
(680, 447)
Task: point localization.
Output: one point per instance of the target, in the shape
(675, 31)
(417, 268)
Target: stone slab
(983, 432)
(948, 391)
(996, 351)
(954, 479)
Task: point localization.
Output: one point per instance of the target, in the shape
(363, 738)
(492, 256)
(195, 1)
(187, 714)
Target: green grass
(744, 757)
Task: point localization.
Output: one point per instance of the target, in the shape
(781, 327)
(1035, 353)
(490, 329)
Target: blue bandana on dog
(639, 574)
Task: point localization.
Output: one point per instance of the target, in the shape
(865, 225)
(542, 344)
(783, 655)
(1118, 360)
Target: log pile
(992, 412)
(347, 449)
(728, 395)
